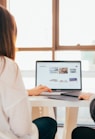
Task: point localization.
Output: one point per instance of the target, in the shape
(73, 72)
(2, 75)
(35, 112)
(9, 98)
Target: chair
(43, 111)
(83, 133)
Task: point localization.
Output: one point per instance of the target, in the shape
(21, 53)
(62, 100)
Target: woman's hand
(38, 90)
(86, 96)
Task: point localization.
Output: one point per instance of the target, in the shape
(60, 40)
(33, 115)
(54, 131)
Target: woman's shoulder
(8, 68)
(10, 64)
(9, 61)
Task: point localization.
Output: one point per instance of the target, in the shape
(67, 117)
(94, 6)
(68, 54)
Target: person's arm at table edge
(87, 96)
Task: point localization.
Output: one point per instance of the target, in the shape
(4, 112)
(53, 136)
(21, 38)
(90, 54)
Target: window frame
(55, 35)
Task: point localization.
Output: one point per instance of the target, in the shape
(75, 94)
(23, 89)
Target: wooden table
(71, 110)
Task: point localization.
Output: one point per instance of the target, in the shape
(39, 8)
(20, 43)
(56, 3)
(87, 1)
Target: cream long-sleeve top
(15, 113)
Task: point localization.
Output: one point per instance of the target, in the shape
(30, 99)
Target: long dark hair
(92, 109)
(8, 32)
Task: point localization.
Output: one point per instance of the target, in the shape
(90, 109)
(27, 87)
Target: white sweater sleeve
(16, 105)
(20, 120)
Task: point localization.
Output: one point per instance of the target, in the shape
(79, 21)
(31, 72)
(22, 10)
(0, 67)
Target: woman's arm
(38, 90)
(87, 96)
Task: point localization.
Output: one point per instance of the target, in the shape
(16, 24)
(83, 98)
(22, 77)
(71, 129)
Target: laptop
(63, 77)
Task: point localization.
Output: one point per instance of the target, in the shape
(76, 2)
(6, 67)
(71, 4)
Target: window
(55, 30)
(34, 21)
(77, 22)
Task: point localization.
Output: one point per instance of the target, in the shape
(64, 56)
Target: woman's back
(14, 117)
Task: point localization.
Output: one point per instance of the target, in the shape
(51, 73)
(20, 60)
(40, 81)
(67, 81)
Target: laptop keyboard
(50, 93)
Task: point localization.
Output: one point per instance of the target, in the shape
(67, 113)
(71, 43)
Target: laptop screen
(59, 75)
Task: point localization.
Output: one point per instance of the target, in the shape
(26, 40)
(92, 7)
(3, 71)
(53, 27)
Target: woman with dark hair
(15, 114)
(92, 109)
(84, 132)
